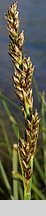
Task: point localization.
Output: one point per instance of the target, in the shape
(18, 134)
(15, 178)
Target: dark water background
(33, 21)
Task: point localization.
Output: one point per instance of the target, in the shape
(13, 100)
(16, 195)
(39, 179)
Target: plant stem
(43, 132)
(15, 170)
(27, 191)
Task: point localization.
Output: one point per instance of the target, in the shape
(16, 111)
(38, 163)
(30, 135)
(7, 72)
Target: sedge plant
(22, 80)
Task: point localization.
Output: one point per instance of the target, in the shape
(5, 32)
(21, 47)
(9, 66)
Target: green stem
(27, 190)
(15, 170)
(27, 195)
(45, 164)
(43, 131)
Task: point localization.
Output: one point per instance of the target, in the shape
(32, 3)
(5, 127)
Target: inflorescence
(22, 79)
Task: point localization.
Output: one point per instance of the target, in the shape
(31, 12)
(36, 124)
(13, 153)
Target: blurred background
(32, 15)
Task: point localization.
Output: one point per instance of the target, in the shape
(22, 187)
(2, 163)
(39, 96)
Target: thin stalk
(20, 191)
(11, 118)
(5, 179)
(15, 170)
(27, 190)
(37, 90)
(43, 132)
(9, 101)
(17, 176)
(38, 192)
(6, 137)
(39, 168)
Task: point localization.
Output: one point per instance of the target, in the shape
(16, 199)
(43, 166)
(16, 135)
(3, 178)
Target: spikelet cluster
(22, 79)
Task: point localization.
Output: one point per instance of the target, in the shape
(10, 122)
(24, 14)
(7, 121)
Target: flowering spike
(22, 79)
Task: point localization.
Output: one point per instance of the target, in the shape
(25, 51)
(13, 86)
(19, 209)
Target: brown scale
(16, 64)
(14, 58)
(27, 159)
(27, 147)
(20, 40)
(28, 174)
(23, 84)
(22, 149)
(28, 124)
(29, 63)
(25, 167)
(16, 24)
(13, 21)
(28, 85)
(24, 112)
(22, 142)
(27, 135)
(12, 9)
(32, 150)
(29, 78)
(22, 154)
(19, 94)
(12, 34)
(25, 66)
(19, 89)
(23, 74)
(22, 81)
(30, 102)
(15, 52)
(25, 152)
(16, 81)
(27, 170)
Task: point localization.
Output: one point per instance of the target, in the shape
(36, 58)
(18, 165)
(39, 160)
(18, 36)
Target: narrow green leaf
(43, 127)
(1, 190)
(11, 118)
(35, 181)
(4, 176)
(37, 90)
(5, 136)
(20, 191)
(38, 192)
(5, 154)
(9, 100)
(15, 170)
(17, 176)
(41, 173)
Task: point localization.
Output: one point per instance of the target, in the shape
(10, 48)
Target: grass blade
(38, 192)
(39, 169)
(11, 118)
(37, 90)
(6, 137)
(15, 170)
(3, 97)
(17, 176)
(20, 191)
(5, 179)
(43, 126)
